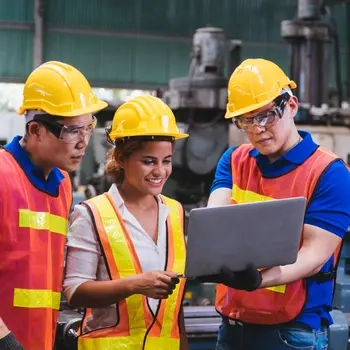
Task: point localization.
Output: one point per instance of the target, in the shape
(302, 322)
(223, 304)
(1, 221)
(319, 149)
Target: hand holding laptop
(249, 279)
(265, 234)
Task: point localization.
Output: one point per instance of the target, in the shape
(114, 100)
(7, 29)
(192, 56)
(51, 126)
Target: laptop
(265, 234)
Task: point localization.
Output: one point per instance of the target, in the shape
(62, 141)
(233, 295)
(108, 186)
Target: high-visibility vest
(33, 230)
(278, 304)
(137, 327)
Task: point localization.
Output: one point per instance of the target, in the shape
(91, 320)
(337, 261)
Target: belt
(237, 323)
(233, 322)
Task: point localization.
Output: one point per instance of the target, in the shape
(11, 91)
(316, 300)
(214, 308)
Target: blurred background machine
(199, 101)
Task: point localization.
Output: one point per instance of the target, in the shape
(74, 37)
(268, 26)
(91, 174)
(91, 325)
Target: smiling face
(147, 167)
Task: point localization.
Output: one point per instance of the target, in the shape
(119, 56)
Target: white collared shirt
(86, 263)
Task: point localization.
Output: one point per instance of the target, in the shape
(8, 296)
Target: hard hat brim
(176, 136)
(75, 113)
(248, 109)
(90, 109)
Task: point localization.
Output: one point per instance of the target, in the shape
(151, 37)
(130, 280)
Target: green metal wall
(16, 44)
(138, 43)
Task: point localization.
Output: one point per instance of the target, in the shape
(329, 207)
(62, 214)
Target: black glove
(249, 279)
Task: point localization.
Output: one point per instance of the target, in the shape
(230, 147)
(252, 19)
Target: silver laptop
(263, 233)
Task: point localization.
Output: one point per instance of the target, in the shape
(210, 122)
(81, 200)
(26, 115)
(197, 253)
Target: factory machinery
(199, 101)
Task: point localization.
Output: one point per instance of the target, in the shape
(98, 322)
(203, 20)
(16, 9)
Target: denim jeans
(282, 337)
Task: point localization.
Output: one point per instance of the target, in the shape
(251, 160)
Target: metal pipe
(309, 9)
(337, 59)
(334, 33)
(38, 33)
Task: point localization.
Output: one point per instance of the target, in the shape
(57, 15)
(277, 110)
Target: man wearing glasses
(282, 307)
(35, 200)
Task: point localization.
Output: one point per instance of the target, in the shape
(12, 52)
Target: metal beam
(334, 2)
(115, 33)
(13, 80)
(16, 25)
(99, 84)
(121, 34)
(134, 35)
(129, 86)
(38, 33)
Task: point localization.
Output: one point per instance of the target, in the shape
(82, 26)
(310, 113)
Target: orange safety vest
(279, 304)
(137, 327)
(33, 229)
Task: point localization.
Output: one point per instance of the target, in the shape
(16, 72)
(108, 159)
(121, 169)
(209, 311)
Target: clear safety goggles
(70, 134)
(266, 119)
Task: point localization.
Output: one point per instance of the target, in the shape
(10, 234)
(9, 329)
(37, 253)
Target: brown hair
(124, 149)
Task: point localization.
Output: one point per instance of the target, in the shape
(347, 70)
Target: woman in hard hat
(126, 247)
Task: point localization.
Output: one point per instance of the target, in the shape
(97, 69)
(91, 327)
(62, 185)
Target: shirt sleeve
(223, 173)
(83, 252)
(9, 342)
(329, 208)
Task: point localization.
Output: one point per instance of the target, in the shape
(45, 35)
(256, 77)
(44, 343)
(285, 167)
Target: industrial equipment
(92, 173)
(312, 35)
(199, 102)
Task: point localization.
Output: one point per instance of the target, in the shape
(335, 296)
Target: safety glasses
(70, 134)
(266, 119)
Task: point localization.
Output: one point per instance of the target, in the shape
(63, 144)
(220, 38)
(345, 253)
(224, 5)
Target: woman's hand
(156, 284)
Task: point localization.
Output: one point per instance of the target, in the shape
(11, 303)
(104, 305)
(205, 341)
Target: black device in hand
(249, 279)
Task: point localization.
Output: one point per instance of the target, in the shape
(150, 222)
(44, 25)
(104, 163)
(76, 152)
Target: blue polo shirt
(35, 175)
(329, 209)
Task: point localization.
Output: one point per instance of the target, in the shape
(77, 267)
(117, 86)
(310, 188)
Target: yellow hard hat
(144, 116)
(59, 89)
(255, 83)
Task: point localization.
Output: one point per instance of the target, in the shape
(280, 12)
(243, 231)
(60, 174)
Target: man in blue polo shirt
(280, 162)
(35, 200)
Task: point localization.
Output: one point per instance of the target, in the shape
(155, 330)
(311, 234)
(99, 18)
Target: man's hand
(249, 279)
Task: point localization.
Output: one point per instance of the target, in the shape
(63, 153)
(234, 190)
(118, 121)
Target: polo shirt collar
(34, 173)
